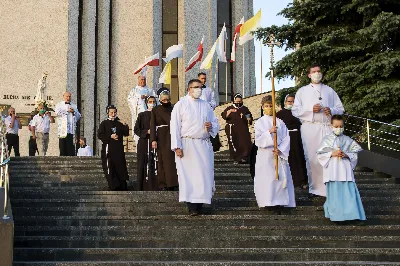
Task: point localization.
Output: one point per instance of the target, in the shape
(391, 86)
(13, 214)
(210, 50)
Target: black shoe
(194, 213)
(163, 189)
(311, 196)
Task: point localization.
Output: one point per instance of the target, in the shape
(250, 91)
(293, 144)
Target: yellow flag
(250, 25)
(207, 62)
(165, 76)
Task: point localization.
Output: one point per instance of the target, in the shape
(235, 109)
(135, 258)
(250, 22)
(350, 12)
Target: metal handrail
(4, 173)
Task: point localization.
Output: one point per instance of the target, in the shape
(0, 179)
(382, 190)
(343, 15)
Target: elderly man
(136, 101)
(67, 116)
(314, 105)
(192, 123)
(40, 128)
(13, 124)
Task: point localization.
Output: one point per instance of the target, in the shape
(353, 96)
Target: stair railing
(4, 173)
(364, 130)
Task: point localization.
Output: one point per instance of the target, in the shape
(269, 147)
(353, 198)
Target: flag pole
(271, 45)
(261, 69)
(215, 75)
(243, 72)
(226, 77)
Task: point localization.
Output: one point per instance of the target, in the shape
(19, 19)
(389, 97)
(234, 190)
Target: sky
(269, 9)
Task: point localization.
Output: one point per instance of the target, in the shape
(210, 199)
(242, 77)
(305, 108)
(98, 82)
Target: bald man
(67, 116)
(136, 101)
(13, 124)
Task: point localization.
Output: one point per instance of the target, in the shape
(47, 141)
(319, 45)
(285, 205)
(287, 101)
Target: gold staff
(271, 43)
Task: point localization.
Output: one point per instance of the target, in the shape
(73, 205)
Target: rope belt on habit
(161, 126)
(187, 137)
(318, 123)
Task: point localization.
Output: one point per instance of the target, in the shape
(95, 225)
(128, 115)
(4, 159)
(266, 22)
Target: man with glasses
(192, 123)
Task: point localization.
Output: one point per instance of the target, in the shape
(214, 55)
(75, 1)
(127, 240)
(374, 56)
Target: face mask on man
(197, 93)
(151, 105)
(267, 111)
(42, 112)
(238, 105)
(167, 104)
(316, 77)
(112, 117)
(288, 107)
(338, 131)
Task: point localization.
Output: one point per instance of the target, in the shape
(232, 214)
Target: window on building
(224, 15)
(169, 38)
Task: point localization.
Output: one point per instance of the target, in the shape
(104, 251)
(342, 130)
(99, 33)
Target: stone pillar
(103, 62)
(240, 9)
(201, 22)
(88, 90)
(72, 54)
(136, 34)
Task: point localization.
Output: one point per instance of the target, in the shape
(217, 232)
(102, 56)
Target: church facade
(92, 47)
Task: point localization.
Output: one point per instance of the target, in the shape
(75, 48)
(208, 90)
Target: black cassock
(297, 161)
(146, 180)
(160, 132)
(237, 132)
(113, 154)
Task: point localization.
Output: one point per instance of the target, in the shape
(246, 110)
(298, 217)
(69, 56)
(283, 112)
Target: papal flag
(221, 45)
(207, 62)
(248, 27)
(197, 57)
(165, 76)
(236, 35)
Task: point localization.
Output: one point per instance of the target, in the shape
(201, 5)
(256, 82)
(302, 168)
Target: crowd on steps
(304, 146)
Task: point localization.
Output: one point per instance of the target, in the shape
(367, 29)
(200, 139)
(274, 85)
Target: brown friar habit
(113, 154)
(297, 161)
(146, 180)
(237, 132)
(160, 132)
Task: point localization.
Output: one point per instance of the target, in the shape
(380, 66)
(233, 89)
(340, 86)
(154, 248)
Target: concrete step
(166, 231)
(186, 220)
(208, 254)
(206, 240)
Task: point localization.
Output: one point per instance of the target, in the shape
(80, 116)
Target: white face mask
(112, 117)
(338, 131)
(151, 105)
(197, 93)
(288, 107)
(316, 77)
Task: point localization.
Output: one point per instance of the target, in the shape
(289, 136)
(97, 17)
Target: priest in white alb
(136, 101)
(314, 105)
(272, 194)
(192, 123)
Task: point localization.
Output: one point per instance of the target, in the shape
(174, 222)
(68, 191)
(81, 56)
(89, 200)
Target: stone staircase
(64, 216)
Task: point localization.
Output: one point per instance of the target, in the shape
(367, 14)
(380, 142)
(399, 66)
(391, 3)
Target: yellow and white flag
(165, 76)
(207, 62)
(250, 25)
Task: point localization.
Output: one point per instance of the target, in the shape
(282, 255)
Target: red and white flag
(197, 57)
(153, 60)
(236, 35)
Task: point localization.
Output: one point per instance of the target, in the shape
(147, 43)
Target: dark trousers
(194, 206)
(67, 145)
(13, 142)
(32, 146)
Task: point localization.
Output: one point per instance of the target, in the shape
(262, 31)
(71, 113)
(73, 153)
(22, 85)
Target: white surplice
(268, 190)
(66, 121)
(314, 127)
(208, 95)
(137, 104)
(196, 167)
(86, 151)
(338, 169)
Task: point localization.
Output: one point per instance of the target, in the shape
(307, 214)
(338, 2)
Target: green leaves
(357, 44)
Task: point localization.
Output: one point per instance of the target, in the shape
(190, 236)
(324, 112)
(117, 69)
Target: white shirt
(62, 112)
(208, 95)
(86, 151)
(13, 130)
(41, 123)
